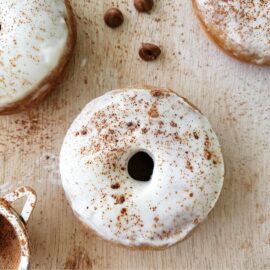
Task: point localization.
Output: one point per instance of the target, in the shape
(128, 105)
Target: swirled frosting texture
(33, 36)
(187, 177)
(241, 25)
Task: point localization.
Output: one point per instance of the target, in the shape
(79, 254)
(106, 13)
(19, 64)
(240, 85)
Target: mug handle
(30, 202)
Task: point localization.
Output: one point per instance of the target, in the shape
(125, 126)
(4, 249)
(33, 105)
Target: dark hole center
(141, 166)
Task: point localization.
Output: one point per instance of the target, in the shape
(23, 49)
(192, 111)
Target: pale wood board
(235, 97)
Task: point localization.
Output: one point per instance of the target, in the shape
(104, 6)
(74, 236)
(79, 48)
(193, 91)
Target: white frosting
(241, 24)
(187, 177)
(33, 37)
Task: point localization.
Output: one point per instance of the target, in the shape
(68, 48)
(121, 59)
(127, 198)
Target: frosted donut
(141, 167)
(37, 38)
(239, 27)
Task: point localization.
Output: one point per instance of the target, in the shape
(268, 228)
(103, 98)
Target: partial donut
(141, 167)
(239, 27)
(37, 39)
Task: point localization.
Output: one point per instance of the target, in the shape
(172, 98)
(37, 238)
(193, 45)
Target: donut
(141, 167)
(37, 39)
(239, 27)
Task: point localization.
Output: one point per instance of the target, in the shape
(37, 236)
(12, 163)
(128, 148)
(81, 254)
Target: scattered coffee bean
(143, 5)
(149, 52)
(113, 17)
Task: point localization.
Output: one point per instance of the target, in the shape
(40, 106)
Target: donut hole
(141, 166)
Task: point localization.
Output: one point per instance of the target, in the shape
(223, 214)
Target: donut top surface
(243, 24)
(186, 180)
(33, 36)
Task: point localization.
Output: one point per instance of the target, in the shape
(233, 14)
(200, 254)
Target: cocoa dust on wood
(10, 251)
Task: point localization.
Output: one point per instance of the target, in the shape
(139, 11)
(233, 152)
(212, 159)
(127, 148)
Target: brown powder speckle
(119, 199)
(206, 142)
(144, 130)
(78, 258)
(195, 134)
(207, 154)
(84, 131)
(115, 186)
(157, 93)
(153, 112)
(156, 219)
(189, 166)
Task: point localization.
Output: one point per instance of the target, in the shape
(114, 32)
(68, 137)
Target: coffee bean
(149, 52)
(143, 5)
(113, 17)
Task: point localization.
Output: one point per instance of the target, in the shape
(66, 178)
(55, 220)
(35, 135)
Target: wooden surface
(235, 97)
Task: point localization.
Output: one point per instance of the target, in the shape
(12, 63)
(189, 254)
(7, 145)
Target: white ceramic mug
(18, 222)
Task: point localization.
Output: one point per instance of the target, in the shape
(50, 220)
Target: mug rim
(8, 212)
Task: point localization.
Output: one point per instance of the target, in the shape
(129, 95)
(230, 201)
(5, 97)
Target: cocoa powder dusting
(119, 199)
(157, 93)
(207, 154)
(195, 134)
(78, 258)
(115, 186)
(144, 130)
(153, 112)
(188, 166)
(10, 251)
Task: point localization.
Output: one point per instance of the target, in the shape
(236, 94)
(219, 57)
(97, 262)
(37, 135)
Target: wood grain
(235, 97)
